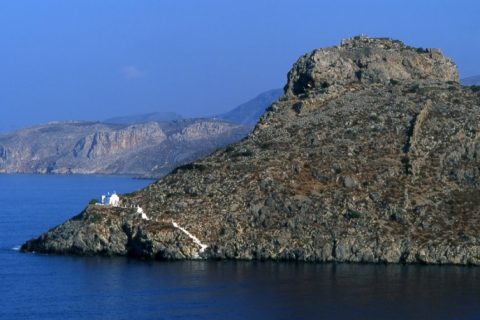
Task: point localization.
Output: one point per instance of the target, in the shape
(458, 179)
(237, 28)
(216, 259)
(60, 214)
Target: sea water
(34, 286)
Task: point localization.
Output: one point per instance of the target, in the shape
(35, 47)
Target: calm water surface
(55, 287)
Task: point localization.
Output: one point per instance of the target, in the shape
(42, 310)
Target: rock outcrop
(365, 60)
(373, 155)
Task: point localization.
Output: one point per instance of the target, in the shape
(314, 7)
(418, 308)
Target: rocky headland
(372, 155)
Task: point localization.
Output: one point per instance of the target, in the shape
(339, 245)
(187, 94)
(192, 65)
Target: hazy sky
(96, 59)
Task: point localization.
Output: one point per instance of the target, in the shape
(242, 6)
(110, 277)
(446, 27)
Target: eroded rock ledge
(373, 155)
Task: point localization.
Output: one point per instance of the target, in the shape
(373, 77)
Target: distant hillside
(147, 149)
(148, 145)
(471, 81)
(147, 117)
(249, 112)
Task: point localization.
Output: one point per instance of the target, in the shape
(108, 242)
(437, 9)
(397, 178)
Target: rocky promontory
(372, 155)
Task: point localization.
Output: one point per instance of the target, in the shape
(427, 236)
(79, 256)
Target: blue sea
(34, 286)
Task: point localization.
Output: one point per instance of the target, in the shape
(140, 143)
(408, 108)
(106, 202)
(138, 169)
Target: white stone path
(191, 236)
(142, 214)
(195, 239)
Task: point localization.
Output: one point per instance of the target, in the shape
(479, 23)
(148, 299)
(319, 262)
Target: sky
(92, 60)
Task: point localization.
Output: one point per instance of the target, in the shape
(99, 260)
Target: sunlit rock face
(146, 149)
(368, 60)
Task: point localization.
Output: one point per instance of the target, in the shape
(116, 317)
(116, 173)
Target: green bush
(352, 214)
(415, 88)
(191, 166)
(93, 201)
(265, 145)
(95, 218)
(475, 88)
(243, 153)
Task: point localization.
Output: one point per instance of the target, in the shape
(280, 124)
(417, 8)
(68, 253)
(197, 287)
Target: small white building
(111, 199)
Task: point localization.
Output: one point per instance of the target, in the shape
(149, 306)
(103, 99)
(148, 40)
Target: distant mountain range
(249, 112)
(149, 145)
(471, 81)
(147, 117)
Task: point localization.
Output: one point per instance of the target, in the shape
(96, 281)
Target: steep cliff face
(112, 142)
(150, 149)
(373, 155)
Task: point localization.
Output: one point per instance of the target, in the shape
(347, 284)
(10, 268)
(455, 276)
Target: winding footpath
(195, 239)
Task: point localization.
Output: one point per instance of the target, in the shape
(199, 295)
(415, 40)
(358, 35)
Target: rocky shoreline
(372, 156)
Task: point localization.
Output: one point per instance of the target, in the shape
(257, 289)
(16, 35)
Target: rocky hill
(372, 155)
(149, 149)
